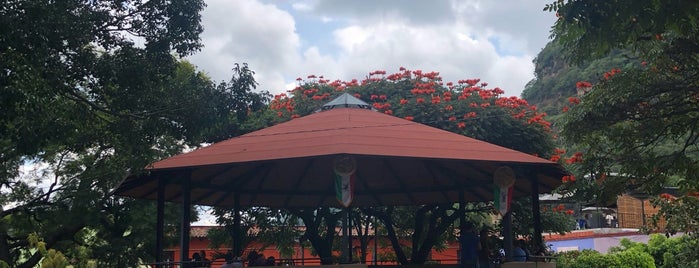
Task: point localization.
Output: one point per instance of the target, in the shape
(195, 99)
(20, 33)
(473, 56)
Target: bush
(632, 258)
(594, 259)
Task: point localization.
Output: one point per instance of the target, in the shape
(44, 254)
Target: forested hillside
(555, 78)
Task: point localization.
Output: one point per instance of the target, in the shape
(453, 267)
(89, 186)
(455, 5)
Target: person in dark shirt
(519, 253)
(471, 246)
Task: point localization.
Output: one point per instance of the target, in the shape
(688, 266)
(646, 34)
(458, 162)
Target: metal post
(186, 217)
(160, 224)
(237, 232)
(349, 235)
(462, 229)
(376, 240)
(507, 236)
(536, 214)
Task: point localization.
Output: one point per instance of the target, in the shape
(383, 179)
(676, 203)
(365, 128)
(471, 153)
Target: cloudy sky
(285, 39)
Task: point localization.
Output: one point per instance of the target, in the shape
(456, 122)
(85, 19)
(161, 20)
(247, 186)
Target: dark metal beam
(185, 220)
(160, 224)
(536, 212)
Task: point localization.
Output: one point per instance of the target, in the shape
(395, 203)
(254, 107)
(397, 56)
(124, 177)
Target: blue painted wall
(585, 243)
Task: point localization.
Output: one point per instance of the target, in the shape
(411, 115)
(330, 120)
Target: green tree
(320, 230)
(639, 122)
(467, 107)
(84, 103)
(269, 226)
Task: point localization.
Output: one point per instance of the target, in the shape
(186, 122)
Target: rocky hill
(555, 76)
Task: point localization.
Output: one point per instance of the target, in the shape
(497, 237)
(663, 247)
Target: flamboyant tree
(638, 125)
(468, 107)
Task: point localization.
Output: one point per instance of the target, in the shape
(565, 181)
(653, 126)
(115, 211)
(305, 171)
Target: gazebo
(345, 154)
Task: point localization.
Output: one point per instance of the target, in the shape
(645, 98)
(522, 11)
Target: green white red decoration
(504, 179)
(344, 167)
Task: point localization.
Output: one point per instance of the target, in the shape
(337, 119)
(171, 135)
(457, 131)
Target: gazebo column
(508, 235)
(348, 226)
(185, 220)
(536, 213)
(160, 223)
(237, 232)
(462, 229)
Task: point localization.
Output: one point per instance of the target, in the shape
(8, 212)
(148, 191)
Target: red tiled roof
(399, 162)
(347, 131)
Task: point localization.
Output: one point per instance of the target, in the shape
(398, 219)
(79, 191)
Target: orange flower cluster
(511, 102)
(568, 178)
(667, 197)
(381, 97)
(470, 82)
(423, 88)
(381, 106)
(470, 115)
(611, 73)
(281, 103)
(558, 208)
(539, 118)
(583, 84)
(311, 91)
(447, 96)
(429, 76)
(576, 158)
(377, 72)
(426, 86)
(323, 96)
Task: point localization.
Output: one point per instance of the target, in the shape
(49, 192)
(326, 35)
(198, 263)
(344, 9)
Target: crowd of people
(254, 258)
(480, 249)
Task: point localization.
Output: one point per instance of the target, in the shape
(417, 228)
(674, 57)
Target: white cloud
(492, 40)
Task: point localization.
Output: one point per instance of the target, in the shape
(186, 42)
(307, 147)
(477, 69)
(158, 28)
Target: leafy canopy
(639, 122)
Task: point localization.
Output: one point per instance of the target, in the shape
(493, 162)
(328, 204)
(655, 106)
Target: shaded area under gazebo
(293, 164)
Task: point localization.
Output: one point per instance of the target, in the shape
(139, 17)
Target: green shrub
(634, 258)
(594, 259)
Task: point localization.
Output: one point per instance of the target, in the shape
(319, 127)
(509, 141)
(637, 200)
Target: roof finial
(346, 101)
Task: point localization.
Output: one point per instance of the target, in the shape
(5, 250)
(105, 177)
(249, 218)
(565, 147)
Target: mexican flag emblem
(504, 180)
(344, 167)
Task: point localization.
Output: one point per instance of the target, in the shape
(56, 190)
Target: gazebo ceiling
(398, 162)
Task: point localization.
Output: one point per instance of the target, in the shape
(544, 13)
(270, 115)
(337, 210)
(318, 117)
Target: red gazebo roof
(399, 162)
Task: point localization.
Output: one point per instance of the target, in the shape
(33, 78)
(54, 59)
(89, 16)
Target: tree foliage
(467, 107)
(640, 122)
(668, 252)
(90, 92)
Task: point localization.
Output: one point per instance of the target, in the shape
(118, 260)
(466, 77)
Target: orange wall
(447, 256)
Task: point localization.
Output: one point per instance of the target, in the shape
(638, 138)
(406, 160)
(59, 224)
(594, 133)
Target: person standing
(471, 246)
(484, 248)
